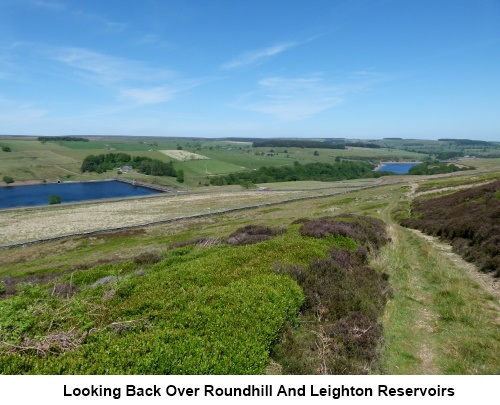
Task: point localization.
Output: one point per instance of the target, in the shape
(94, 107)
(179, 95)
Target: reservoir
(398, 168)
(26, 196)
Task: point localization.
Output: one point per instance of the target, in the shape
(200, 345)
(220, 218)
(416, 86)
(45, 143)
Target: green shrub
(8, 179)
(54, 199)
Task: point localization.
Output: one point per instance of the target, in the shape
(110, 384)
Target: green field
(33, 160)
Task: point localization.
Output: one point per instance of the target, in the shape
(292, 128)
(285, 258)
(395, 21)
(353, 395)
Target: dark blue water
(398, 168)
(24, 196)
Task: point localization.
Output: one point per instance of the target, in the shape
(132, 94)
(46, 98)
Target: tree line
(436, 167)
(311, 171)
(290, 143)
(62, 138)
(109, 161)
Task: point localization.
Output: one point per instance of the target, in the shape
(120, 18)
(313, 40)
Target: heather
(339, 330)
(468, 219)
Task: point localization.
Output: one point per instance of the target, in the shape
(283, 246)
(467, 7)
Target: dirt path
(486, 281)
(444, 315)
(445, 189)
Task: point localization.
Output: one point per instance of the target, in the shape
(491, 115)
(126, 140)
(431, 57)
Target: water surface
(25, 196)
(398, 168)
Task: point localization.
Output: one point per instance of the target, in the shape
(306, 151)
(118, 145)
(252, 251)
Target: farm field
(33, 160)
(182, 155)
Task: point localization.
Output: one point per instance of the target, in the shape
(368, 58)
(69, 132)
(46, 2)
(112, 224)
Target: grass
(217, 310)
(438, 321)
(22, 225)
(30, 159)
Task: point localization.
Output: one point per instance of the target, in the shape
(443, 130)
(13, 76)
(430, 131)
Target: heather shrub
(368, 232)
(359, 334)
(251, 234)
(343, 300)
(148, 258)
(468, 219)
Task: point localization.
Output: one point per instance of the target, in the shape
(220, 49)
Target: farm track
(421, 335)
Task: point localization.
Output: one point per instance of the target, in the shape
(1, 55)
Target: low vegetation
(338, 331)
(109, 161)
(436, 167)
(469, 219)
(299, 172)
(250, 291)
(201, 307)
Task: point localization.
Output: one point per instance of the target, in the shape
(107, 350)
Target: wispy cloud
(144, 96)
(255, 57)
(132, 81)
(13, 112)
(298, 98)
(109, 25)
(292, 99)
(108, 69)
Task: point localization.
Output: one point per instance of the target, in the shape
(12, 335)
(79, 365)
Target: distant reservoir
(26, 196)
(398, 168)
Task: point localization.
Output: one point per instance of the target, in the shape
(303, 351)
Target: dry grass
(24, 225)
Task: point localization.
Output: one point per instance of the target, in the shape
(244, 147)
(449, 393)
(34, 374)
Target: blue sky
(337, 68)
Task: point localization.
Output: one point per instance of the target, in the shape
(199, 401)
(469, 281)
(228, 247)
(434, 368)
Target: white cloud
(292, 99)
(143, 96)
(132, 81)
(109, 69)
(254, 57)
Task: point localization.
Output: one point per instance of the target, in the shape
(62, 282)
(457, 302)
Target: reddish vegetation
(469, 219)
(367, 231)
(253, 234)
(343, 301)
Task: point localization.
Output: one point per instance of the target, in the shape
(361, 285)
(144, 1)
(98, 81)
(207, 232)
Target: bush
(369, 232)
(8, 179)
(148, 258)
(344, 299)
(251, 234)
(6, 149)
(54, 199)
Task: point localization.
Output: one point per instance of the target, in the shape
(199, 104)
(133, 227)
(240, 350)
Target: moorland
(307, 276)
